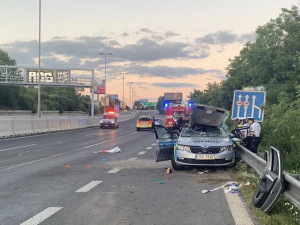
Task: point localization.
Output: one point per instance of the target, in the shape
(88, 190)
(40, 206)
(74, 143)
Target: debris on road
(228, 183)
(155, 179)
(169, 170)
(113, 150)
(103, 160)
(68, 166)
(202, 172)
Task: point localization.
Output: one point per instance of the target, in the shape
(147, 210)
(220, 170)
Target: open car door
(166, 140)
(271, 185)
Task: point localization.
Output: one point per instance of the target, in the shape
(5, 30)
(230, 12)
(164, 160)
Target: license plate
(205, 157)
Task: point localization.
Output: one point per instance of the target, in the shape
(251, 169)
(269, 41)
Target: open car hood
(208, 116)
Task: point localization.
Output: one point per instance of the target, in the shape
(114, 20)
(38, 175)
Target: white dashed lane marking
(7, 149)
(89, 186)
(37, 219)
(142, 153)
(115, 170)
(149, 148)
(133, 158)
(154, 144)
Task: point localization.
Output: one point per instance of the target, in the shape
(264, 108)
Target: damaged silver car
(204, 142)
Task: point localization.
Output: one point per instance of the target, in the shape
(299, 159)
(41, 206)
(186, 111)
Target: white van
(109, 119)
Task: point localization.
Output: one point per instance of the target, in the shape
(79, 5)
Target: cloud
(174, 85)
(171, 72)
(225, 37)
(170, 33)
(146, 30)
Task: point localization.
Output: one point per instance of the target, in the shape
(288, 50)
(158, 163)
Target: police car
(203, 143)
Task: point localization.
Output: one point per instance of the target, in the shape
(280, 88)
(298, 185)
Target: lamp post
(39, 69)
(130, 98)
(123, 92)
(105, 54)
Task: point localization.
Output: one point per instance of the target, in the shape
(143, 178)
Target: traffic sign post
(248, 104)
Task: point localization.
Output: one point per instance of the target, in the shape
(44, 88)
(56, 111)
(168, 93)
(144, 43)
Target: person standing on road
(253, 139)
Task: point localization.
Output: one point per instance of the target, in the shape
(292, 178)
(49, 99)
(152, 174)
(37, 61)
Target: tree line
(272, 61)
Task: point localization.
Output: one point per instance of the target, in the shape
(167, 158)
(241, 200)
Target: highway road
(64, 178)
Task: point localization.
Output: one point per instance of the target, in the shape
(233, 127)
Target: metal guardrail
(291, 182)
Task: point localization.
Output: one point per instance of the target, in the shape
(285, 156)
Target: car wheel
(100, 127)
(137, 129)
(174, 165)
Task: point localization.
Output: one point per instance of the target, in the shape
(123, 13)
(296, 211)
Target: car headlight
(226, 148)
(101, 121)
(112, 121)
(180, 147)
(188, 148)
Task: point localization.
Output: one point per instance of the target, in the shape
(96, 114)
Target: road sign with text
(247, 104)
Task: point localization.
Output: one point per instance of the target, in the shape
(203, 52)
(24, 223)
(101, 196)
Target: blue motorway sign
(247, 104)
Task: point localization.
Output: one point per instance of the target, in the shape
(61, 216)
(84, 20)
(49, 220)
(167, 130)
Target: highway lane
(64, 179)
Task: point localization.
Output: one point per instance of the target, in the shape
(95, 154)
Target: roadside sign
(247, 104)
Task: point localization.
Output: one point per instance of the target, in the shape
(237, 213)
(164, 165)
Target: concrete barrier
(65, 124)
(23, 127)
(15, 126)
(40, 126)
(6, 129)
(93, 122)
(53, 125)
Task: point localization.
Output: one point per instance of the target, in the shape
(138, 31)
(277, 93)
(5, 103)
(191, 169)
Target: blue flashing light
(190, 104)
(166, 105)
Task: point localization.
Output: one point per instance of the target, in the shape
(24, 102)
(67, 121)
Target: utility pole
(105, 54)
(130, 98)
(123, 93)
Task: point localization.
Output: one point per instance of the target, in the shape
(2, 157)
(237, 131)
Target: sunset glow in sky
(163, 45)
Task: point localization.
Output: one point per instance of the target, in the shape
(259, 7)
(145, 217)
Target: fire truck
(177, 111)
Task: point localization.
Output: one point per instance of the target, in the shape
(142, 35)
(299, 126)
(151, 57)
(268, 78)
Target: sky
(163, 45)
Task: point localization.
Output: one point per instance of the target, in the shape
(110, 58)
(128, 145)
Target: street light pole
(39, 69)
(130, 98)
(123, 93)
(105, 54)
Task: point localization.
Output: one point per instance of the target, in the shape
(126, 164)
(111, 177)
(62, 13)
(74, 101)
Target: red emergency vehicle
(176, 110)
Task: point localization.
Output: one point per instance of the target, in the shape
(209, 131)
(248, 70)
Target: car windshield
(203, 132)
(108, 117)
(144, 119)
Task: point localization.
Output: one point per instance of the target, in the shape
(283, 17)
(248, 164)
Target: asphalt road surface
(64, 178)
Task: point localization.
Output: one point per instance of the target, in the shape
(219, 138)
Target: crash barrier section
(15, 126)
(291, 182)
(53, 124)
(65, 124)
(40, 126)
(6, 129)
(23, 127)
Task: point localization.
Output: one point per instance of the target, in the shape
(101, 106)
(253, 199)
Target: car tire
(137, 129)
(174, 165)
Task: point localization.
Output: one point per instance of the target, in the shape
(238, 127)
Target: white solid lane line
(89, 186)
(24, 146)
(238, 211)
(37, 219)
(115, 170)
(149, 148)
(142, 153)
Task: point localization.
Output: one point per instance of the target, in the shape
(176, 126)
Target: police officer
(253, 139)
